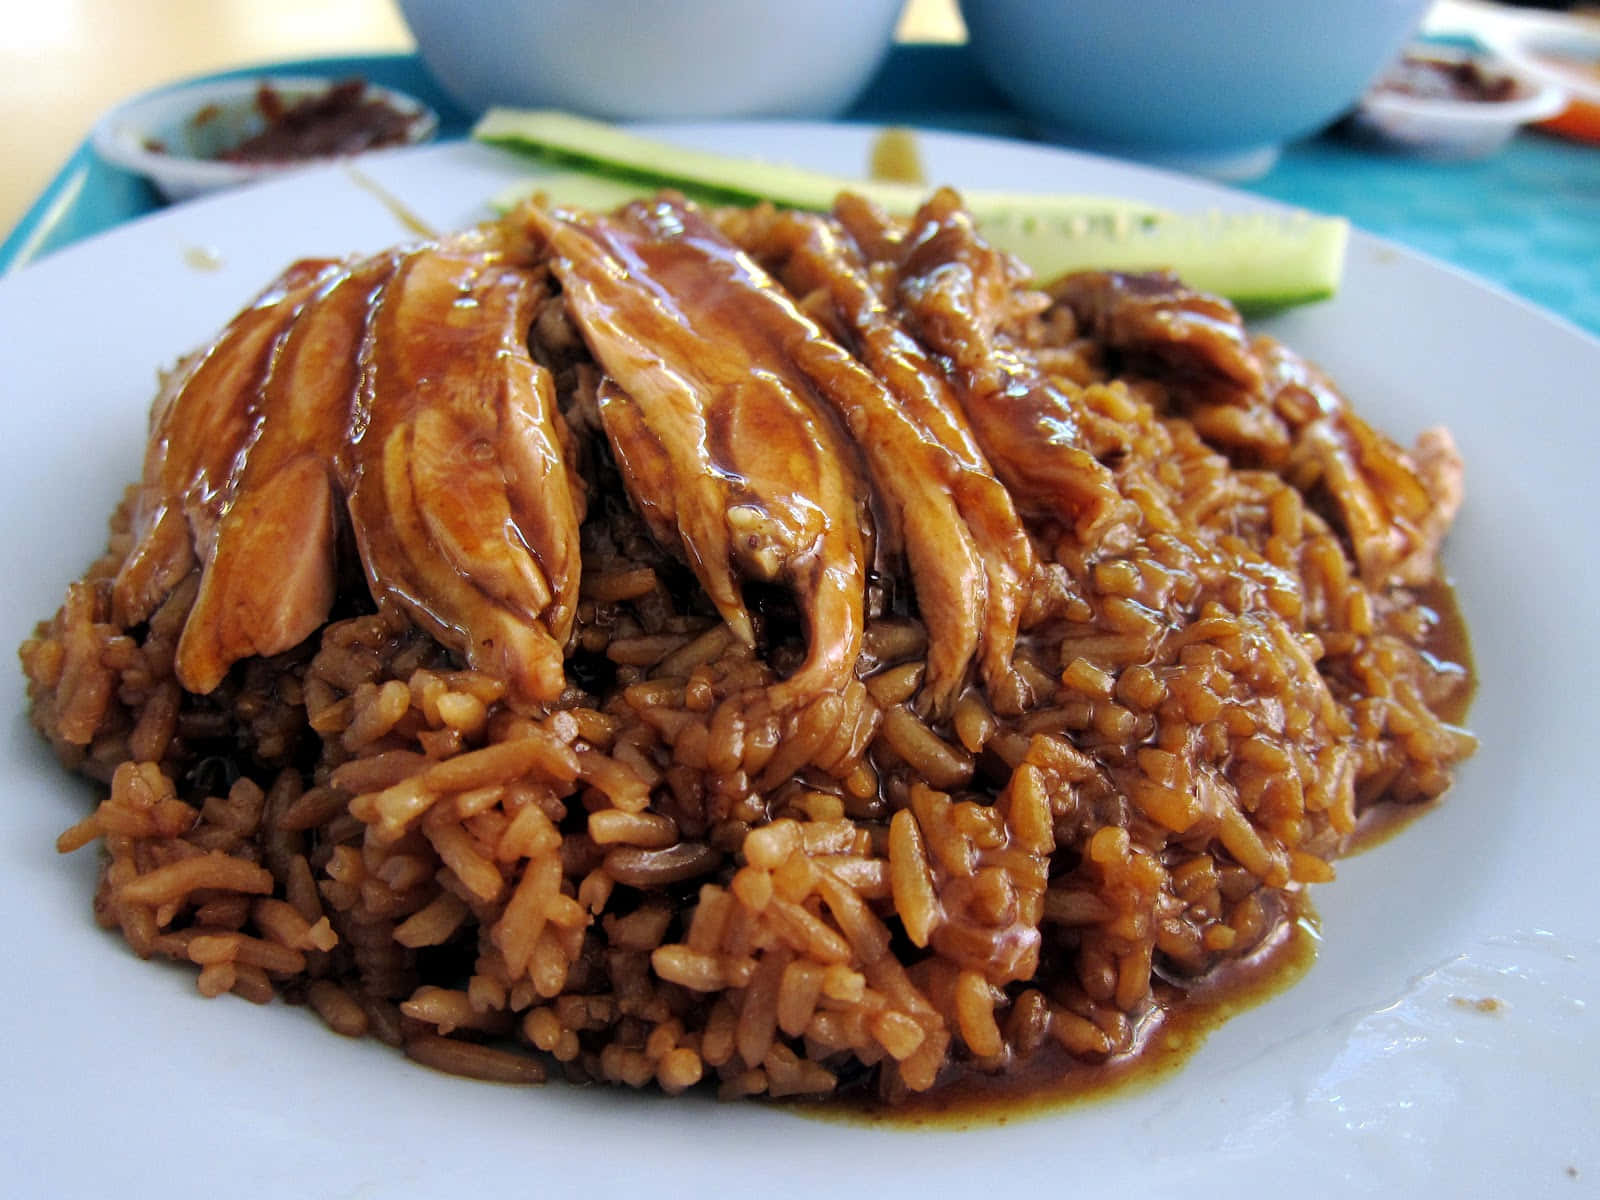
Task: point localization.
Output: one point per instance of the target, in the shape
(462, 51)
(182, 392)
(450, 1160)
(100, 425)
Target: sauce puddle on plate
(1177, 1025)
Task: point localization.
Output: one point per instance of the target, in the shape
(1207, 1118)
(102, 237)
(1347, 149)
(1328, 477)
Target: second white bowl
(648, 60)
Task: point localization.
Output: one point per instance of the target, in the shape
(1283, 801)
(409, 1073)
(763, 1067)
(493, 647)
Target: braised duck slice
(714, 412)
(204, 415)
(1162, 326)
(958, 293)
(1393, 507)
(269, 578)
(969, 558)
(1155, 327)
(458, 493)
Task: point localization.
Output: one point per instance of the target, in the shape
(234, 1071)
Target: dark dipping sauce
(1424, 77)
(343, 120)
(1180, 1016)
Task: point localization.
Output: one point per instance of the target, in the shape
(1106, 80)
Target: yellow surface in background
(65, 62)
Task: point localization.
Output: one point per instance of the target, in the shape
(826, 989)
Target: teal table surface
(1526, 219)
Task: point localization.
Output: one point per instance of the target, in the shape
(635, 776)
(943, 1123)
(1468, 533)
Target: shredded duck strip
(969, 557)
(200, 422)
(448, 387)
(1192, 336)
(1265, 406)
(1394, 507)
(957, 293)
(271, 574)
(712, 405)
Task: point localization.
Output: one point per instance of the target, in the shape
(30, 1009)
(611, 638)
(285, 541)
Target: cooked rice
(661, 881)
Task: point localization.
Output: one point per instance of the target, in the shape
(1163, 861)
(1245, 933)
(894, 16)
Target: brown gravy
(1176, 1026)
(1429, 77)
(1448, 643)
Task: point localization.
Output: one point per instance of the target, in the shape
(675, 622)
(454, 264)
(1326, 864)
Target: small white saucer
(1450, 129)
(173, 135)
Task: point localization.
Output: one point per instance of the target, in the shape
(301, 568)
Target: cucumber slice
(1259, 261)
(578, 189)
(562, 140)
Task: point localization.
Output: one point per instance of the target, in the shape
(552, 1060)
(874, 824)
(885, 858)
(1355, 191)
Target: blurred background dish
(686, 60)
(207, 136)
(1211, 85)
(1451, 103)
(1562, 50)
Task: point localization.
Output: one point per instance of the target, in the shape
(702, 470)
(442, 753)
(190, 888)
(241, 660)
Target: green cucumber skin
(574, 189)
(1259, 262)
(580, 145)
(567, 141)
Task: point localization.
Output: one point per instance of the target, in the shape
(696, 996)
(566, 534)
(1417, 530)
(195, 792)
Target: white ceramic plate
(1377, 1073)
